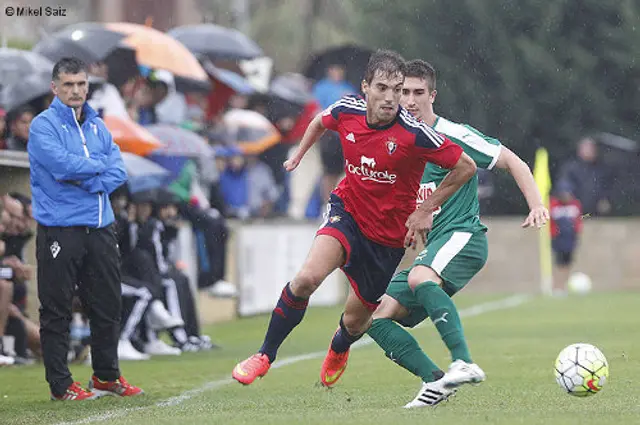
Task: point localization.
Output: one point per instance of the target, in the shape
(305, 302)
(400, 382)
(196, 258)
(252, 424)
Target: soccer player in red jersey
(371, 216)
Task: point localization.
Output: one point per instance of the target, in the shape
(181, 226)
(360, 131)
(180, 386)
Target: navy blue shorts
(369, 266)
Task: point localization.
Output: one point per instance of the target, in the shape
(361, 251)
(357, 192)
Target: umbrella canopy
(251, 132)
(143, 174)
(217, 42)
(157, 50)
(16, 64)
(130, 136)
(89, 42)
(353, 58)
(292, 87)
(231, 79)
(54, 49)
(25, 91)
(178, 142)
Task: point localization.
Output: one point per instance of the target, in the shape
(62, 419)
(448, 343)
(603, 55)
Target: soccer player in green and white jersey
(456, 249)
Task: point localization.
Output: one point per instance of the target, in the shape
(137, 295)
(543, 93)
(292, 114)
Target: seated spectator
(26, 333)
(158, 100)
(15, 229)
(210, 230)
(21, 211)
(106, 97)
(171, 107)
(167, 212)
(6, 293)
(142, 289)
(177, 291)
(18, 123)
(247, 186)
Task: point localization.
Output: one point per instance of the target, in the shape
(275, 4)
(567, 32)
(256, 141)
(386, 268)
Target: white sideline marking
(502, 304)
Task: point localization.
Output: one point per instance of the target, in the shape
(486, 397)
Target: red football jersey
(383, 166)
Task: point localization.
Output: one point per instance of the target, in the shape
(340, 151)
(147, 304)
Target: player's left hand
(418, 224)
(538, 217)
(293, 162)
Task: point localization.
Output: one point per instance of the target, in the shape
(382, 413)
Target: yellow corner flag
(543, 180)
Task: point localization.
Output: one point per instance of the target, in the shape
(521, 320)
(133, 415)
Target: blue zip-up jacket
(74, 168)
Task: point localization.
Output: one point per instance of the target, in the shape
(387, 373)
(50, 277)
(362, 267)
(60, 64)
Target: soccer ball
(579, 283)
(581, 370)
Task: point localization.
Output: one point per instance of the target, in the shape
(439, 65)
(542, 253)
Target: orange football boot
(254, 367)
(333, 367)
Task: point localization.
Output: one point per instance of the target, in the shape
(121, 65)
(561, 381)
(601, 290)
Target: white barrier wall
(268, 256)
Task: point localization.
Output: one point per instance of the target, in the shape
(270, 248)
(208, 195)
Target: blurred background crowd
(205, 114)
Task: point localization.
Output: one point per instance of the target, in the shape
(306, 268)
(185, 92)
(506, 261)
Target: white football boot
(461, 372)
(431, 394)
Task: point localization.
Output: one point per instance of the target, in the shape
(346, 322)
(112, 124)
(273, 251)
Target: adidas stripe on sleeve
(348, 104)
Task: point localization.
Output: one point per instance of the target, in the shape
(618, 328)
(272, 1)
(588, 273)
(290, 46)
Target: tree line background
(529, 72)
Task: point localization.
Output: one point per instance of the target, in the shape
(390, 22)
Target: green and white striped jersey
(462, 210)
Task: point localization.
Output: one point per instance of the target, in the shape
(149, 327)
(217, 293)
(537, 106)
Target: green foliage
(15, 43)
(281, 29)
(529, 72)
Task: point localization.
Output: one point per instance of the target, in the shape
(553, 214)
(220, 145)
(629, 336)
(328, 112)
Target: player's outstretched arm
(460, 174)
(521, 173)
(314, 131)
(420, 221)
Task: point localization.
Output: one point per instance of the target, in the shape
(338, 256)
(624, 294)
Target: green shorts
(456, 257)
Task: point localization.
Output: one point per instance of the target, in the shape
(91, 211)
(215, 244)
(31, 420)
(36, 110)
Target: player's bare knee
(421, 274)
(390, 308)
(306, 282)
(356, 324)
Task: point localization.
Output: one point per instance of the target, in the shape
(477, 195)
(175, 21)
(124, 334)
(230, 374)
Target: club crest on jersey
(334, 219)
(391, 145)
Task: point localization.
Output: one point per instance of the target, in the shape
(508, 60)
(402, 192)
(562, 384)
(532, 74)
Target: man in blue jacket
(75, 165)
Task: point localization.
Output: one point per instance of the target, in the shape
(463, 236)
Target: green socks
(403, 349)
(444, 315)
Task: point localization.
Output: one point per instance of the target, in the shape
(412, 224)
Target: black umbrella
(353, 58)
(25, 91)
(54, 49)
(216, 42)
(16, 64)
(294, 88)
(89, 42)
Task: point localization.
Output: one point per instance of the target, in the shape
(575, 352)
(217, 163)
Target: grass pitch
(516, 347)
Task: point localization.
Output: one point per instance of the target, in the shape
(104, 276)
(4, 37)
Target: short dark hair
(68, 66)
(418, 68)
(15, 114)
(385, 62)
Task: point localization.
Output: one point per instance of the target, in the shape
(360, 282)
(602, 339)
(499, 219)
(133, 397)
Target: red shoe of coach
(119, 387)
(76, 393)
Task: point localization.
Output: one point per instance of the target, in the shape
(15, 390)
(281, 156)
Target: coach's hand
(292, 163)
(538, 217)
(418, 224)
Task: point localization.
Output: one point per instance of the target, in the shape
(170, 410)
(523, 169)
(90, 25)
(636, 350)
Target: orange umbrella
(157, 50)
(253, 133)
(131, 136)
